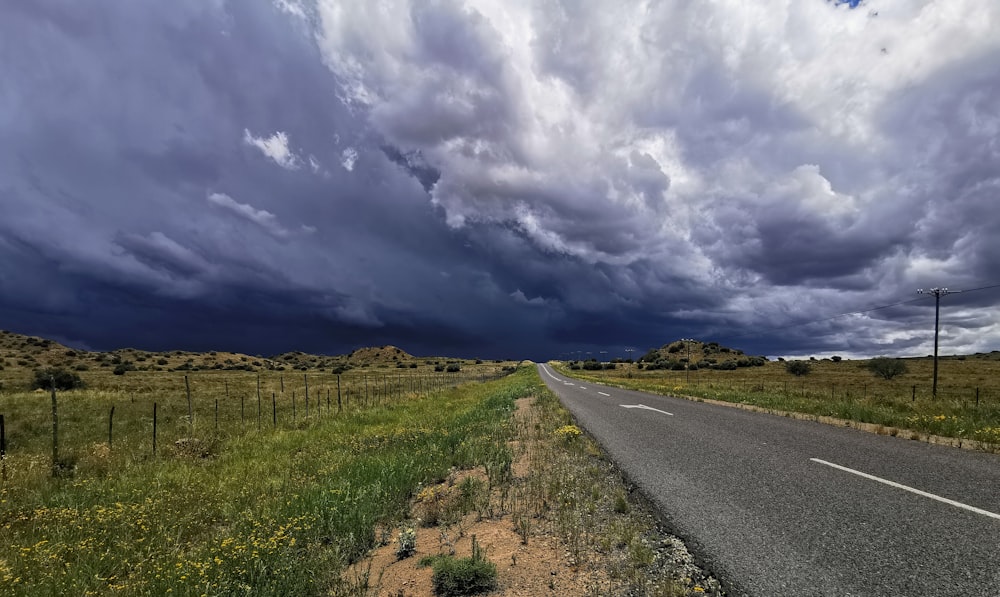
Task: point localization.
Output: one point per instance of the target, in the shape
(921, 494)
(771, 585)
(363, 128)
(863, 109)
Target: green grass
(279, 511)
(845, 390)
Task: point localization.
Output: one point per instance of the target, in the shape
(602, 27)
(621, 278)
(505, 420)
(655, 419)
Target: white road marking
(582, 388)
(603, 394)
(546, 369)
(568, 383)
(910, 489)
(644, 407)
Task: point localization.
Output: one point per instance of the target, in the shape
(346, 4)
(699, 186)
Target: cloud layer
(516, 178)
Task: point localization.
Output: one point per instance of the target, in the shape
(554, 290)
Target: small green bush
(464, 576)
(64, 380)
(798, 368)
(886, 368)
(453, 368)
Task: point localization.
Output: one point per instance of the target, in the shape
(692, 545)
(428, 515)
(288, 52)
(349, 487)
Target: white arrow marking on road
(910, 489)
(643, 406)
(582, 388)
(603, 394)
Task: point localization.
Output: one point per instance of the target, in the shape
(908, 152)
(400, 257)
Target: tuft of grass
(464, 576)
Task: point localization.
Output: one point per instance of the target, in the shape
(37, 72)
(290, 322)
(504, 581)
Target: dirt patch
(561, 524)
(528, 563)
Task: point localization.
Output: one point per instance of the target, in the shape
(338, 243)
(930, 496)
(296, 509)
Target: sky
(515, 179)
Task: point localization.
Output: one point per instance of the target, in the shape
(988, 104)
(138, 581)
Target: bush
(453, 368)
(798, 368)
(592, 365)
(464, 576)
(725, 366)
(439, 367)
(835, 359)
(886, 368)
(123, 367)
(64, 380)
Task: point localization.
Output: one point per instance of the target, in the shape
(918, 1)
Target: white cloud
(292, 7)
(348, 158)
(262, 218)
(274, 147)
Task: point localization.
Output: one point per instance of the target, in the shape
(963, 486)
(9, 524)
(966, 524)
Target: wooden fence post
(305, 378)
(55, 429)
(154, 429)
(339, 404)
(3, 448)
(274, 410)
(187, 387)
(216, 414)
(111, 423)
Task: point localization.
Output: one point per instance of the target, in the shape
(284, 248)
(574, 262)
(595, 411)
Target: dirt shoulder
(562, 523)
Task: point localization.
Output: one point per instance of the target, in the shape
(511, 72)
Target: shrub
(798, 368)
(123, 367)
(886, 368)
(161, 362)
(836, 359)
(675, 347)
(439, 367)
(677, 366)
(592, 365)
(464, 576)
(452, 368)
(725, 366)
(651, 355)
(64, 380)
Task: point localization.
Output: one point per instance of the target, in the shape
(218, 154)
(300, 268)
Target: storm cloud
(495, 179)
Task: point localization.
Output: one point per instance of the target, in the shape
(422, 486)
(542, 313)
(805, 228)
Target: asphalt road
(760, 501)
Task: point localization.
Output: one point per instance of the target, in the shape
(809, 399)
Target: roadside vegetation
(893, 393)
(252, 490)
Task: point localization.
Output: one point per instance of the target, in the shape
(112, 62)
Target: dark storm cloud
(498, 179)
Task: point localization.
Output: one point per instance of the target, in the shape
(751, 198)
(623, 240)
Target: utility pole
(629, 352)
(938, 293)
(687, 342)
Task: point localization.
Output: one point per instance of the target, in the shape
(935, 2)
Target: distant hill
(701, 355)
(20, 352)
(378, 355)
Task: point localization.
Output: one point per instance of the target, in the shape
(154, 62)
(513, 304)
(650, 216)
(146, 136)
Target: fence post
(187, 386)
(111, 422)
(305, 378)
(977, 396)
(243, 418)
(55, 429)
(274, 411)
(154, 429)
(913, 397)
(293, 407)
(216, 414)
(281, 378)
(339, 403)
(3, 448)
(328, 400)
(258, 410)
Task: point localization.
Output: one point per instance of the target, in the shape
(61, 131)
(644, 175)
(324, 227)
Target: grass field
(844, 389)
(275, 511)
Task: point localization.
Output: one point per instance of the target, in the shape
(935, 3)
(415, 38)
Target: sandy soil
(541, 566)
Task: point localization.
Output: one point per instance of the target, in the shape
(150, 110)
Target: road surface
(775, 506)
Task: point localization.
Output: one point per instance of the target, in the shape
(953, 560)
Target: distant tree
(798, 368)
(453, 368)
(64, 380)
(886, 368)
(835, 359)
